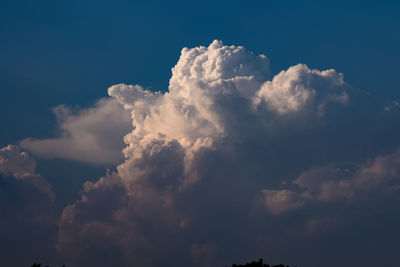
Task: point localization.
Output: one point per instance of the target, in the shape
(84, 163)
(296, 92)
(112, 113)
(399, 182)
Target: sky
(153, 133)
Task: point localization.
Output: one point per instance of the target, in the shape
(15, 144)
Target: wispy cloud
(92, 135)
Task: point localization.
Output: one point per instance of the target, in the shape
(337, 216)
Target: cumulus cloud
(198, 155)
(293, 89)
(190, 112)
(92, 135)
(131, 227)
(330, 183)
(18, 164)
(28, 215)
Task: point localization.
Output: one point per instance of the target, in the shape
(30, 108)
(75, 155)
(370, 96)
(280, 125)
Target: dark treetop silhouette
(257, 264)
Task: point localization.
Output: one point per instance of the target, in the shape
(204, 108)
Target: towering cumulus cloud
(212, 164)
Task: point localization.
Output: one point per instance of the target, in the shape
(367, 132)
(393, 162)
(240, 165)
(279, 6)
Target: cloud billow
(229, 155)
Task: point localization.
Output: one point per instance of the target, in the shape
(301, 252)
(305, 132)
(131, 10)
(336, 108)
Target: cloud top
(294, 89)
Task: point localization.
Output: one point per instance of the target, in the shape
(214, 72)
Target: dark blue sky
(70, 52)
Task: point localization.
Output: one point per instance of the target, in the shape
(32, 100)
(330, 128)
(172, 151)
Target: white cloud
(92, 135)
(211, 88)
(170, 131)
(190, 112)
(293, 89)
(198, 154)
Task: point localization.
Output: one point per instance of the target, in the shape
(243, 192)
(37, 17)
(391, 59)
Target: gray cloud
(28, 213)
(18, 164)
(327, 184)
(14, 162)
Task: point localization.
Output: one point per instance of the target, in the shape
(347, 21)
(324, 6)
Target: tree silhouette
(257, 264)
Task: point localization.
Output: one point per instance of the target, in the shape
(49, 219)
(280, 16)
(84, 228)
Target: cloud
(28, 213)
(190, 112)
(329, 183)
(294, 89)
(393, 105)
(183, 144)
(200, 156)
(279, 201)
(18, 164)
(93, 135)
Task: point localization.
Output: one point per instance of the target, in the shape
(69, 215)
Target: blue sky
(70, 52)
(299, 162)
